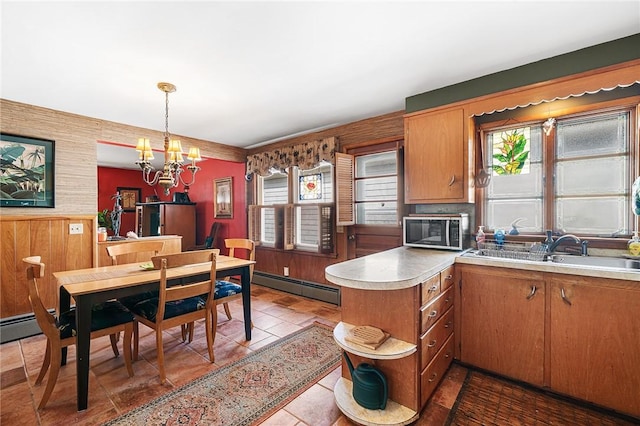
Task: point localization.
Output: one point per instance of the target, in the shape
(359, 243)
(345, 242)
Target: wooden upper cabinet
(436, 157)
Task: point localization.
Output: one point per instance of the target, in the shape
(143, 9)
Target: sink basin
(606, 262)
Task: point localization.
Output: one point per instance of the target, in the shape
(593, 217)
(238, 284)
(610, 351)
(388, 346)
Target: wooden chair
(133, 252)
(226, 290)
(180, 304)
(136, 251)
(210, 241)
(107, 319)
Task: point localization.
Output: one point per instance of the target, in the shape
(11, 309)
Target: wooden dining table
(96, 285)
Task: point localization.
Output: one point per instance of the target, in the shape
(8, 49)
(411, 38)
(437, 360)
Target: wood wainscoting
(48, 237)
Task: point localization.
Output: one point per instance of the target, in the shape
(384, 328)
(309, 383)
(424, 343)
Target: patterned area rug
(249, 389)
(487, 400)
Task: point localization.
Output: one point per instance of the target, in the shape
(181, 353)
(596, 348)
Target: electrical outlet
(286, 271)
(75, 228)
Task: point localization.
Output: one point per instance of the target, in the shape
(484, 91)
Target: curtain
(306, 155)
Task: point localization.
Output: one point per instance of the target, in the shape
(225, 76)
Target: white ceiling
(249, 73)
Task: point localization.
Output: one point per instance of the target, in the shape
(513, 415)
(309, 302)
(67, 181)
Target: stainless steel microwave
(441, 231)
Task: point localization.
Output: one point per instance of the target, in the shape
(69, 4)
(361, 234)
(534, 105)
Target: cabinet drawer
(446, 278)
(436, 369)
(430, 313)
(432, 340)
(430, 288)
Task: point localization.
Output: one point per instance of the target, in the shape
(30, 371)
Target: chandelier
(171, 174)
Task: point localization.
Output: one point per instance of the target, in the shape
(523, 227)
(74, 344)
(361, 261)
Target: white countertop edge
(557, 268)
(405, 267)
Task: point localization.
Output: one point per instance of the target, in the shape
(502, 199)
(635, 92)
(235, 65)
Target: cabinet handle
(447, 355)
(433, 288)
(448, 277)
(431, 344)
(447, 325)
(533, 292)
(433, 314)
(565, 299)
(453, 179)
(447, 300)
(433, 377)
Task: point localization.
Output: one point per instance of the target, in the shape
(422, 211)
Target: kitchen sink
(600, 261)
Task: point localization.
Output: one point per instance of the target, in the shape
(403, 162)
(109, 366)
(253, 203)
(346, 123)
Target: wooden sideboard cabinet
(436, 157)
(164, 218)
(172, 244)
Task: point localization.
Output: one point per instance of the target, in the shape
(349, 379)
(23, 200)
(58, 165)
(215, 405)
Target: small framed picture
(129, 198)
(223, 198)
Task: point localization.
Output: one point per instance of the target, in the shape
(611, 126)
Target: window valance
(306, 155)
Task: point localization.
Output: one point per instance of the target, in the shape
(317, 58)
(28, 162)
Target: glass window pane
(511, 151)
(523, 185)
(310, 187)
(275, 189)
(502, 213)
(377, 213)
(382, 188)
(268, 226)
(598, 135)
(380, 164)
(307, 224)
(592, 176)
(326, 190)
(600, 216)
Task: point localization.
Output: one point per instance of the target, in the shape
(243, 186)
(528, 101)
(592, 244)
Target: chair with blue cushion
(134, 252)
(107, 319)
(227, 290)
(179, 303)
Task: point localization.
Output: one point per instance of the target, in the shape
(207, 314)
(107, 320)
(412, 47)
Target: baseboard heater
(18, 327)
(308, 289)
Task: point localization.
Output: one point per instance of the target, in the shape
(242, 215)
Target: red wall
(201, 193)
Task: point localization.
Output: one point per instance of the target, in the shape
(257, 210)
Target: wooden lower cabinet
(578, 336)
(502, 321)
(595, 341)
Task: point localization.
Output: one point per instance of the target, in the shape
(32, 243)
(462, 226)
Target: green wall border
(598, 56)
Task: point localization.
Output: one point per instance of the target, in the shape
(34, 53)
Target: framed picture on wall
(27, 171)
(223, 198)
(129, 198)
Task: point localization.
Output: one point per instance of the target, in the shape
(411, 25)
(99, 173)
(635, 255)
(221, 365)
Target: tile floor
(112, 392)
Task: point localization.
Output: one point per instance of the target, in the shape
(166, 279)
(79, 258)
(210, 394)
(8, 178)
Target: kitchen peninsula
(408, 293)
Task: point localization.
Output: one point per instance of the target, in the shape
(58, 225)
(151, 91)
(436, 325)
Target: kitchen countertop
(404, 267)
(398, 268)
(557, 268)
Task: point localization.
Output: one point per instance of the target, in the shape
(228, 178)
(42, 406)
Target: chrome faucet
(553, 244)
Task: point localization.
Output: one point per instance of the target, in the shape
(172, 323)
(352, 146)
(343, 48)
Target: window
(376, 189)
(295, 210)
(576, 179)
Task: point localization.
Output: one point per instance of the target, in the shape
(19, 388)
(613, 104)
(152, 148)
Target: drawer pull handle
(533, 292)
(433, 377)
(447, 300)
(565, 299)
(453, 179)
(432, 314)
(448, 277)
(431, 344)
(447, 355)
(433, 288)
(449, 324)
